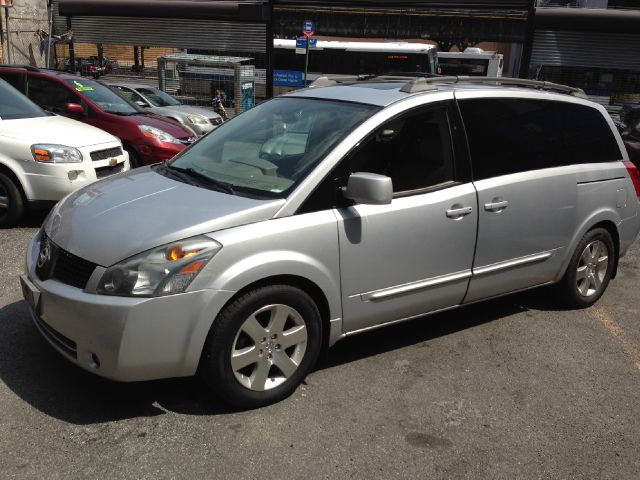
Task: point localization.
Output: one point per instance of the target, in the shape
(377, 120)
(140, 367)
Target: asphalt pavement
(514, 388)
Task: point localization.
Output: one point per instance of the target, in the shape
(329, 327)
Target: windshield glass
(267, 150)
(158, 97)
(105, 98)
(14, 105)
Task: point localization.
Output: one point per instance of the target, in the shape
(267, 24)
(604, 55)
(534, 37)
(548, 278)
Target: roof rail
(426, 84)
(326, 80)
(26, 67)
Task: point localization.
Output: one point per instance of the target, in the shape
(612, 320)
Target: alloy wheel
(268, 347)
(592, 268)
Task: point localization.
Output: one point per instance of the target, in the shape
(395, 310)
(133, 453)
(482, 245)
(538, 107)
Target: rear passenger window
(509, 135)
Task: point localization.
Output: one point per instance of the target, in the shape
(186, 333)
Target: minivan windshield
(269, 149)
(105, 98)
(14, 105)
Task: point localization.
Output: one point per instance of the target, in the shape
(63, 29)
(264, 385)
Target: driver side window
(414, 150)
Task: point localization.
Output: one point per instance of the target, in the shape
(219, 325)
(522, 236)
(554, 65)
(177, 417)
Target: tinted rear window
(509, 135)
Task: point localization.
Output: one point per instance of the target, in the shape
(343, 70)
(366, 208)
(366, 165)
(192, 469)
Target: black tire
(11, 201)
(584, 292)
(134, 159)
(228, 332)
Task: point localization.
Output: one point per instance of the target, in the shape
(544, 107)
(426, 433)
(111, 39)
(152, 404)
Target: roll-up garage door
(586, 49)
(228, 26)
(171, 32)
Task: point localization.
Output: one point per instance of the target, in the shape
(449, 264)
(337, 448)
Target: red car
(148, 138)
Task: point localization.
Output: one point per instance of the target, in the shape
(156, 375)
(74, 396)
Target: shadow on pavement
(33, 218)
(54, 386)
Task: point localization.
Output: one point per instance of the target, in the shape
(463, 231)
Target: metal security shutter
(167, 32)
(586, 49)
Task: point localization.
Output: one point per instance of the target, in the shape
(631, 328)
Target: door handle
(457, 211)
(497, 205)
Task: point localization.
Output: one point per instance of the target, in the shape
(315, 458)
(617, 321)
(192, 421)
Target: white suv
(43, 157)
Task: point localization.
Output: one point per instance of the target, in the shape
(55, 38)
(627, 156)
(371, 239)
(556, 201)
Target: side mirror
(73, 109)
(369, 189)
(142, 104)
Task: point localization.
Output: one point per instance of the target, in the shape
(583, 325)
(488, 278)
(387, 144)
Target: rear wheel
(262, 346)
(11, 202)
(590, 269)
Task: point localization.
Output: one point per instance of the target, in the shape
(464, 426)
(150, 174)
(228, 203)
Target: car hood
(186, 110)
(170, 126)
(129, 213)
(56, 130)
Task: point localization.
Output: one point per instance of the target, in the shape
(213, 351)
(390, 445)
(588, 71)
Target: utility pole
(8, 43)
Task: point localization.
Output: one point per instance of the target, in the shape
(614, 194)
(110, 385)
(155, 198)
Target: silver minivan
(328, 212)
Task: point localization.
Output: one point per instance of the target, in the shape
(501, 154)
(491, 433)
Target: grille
(65, 344)
(106, 154)
(102, 172)
(63, 266)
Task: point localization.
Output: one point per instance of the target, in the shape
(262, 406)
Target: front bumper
(122, 338)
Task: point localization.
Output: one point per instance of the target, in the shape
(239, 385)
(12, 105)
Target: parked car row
(141, 135)
(85, 67)
(44, 156)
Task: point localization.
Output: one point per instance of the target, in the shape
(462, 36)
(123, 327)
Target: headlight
(160, 271)
(47, 153)
(198, 119)
(158, 134)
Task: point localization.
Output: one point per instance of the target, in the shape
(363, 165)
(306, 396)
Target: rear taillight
(634, 173)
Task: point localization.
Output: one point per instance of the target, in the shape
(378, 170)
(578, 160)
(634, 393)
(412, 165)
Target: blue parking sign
(308, 28)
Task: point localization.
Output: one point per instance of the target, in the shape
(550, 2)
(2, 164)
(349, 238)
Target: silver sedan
(200, 120)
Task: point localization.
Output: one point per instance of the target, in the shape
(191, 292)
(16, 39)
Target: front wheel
(590, 269)
(262, 346)
(11, 203)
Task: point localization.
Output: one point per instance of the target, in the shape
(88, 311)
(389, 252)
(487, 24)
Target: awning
(241, 10)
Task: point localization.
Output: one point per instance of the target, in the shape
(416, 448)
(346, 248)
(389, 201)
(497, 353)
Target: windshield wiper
(204, 179)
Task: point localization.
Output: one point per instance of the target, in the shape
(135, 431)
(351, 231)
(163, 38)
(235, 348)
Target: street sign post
(308, 30)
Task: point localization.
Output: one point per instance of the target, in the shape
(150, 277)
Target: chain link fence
(20, 43)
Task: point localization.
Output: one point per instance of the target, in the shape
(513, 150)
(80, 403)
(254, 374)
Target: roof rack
(429, 83)
(425, 84)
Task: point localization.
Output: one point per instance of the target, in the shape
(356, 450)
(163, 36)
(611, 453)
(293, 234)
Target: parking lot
(512, 388)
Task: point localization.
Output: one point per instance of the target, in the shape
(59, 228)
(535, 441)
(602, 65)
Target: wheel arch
(604, 219)
(304, 284)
